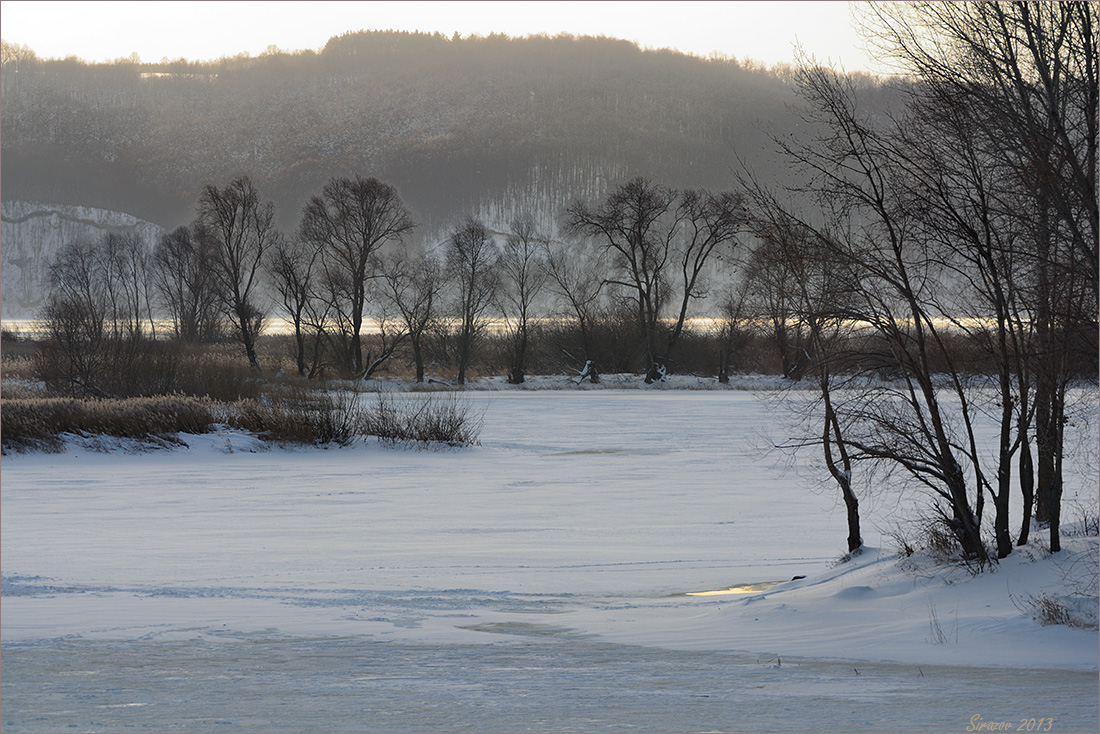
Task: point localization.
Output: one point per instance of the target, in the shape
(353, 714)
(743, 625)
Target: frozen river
(531, 680)
(534, 583)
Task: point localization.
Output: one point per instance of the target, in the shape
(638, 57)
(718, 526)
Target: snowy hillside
(32, 232)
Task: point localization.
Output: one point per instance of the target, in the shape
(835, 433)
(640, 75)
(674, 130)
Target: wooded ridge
(479, 125)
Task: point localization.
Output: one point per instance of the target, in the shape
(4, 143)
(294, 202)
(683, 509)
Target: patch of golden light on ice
(742, 589)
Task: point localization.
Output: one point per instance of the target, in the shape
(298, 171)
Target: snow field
(575, 528)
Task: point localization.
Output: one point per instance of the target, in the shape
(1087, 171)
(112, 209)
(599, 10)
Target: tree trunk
(851, 505)
(300, 345)
(355, 351)
(966, 526)
(1055, 497)
(1004, 465)
(418, 359)
(519, 359)
(1045, 447)
(1000, 506)
(248, 340)
(1027, 486)
(656, 372)
(831, 435)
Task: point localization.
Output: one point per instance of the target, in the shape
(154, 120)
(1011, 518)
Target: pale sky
(203, 29)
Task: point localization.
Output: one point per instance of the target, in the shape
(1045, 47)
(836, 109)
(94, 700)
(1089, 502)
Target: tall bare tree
(865, 222)
(523, 277)
(77, 316)
(96, 314)
(633, 224)
(413, 285)
(710, 227)
(473, 270)
(812, 295)
(350, 222)
(239, 229)
(293, 267)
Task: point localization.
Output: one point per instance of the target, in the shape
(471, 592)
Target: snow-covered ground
(537, 582)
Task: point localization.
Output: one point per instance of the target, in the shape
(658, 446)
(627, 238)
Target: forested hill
(481, 125)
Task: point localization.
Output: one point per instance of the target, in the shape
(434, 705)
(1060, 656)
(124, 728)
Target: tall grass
(37, 423)
(294, 416)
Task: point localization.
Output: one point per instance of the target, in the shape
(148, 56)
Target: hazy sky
(102, 31)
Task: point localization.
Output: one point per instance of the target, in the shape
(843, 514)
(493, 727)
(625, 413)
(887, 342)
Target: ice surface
(537, 582)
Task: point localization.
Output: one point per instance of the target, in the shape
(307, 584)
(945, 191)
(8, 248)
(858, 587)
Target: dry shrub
(1072, 611)
(428, 418)
(217, 373)
(1048, 610)
(273, 421)
(1086, 522)
(931, 536)
(131, 368)
(301, 417)
(38, 422)
(111, 368)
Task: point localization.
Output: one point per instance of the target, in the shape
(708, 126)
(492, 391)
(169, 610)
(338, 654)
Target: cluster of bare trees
(972, 211)
(105, 296)
(657, 244)
(97, 311)
(643, 252)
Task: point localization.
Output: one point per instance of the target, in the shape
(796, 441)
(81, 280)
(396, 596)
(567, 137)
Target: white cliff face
(31, 233)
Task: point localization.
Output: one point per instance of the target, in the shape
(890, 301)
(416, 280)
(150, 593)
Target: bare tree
(633, 224)
(413, 285)
(183, 281)
(473, 270)
(125, 276)
(818, 301)
(711, 225)
(1021, 83)
(294, 269)
(866, 223)
(653, 232)
(96, 314)
(239, 229)
(575, 277)
(729, 329)
(951, 179)
(350, 222)
(771, 291)
(77, 316)
(523, 277)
